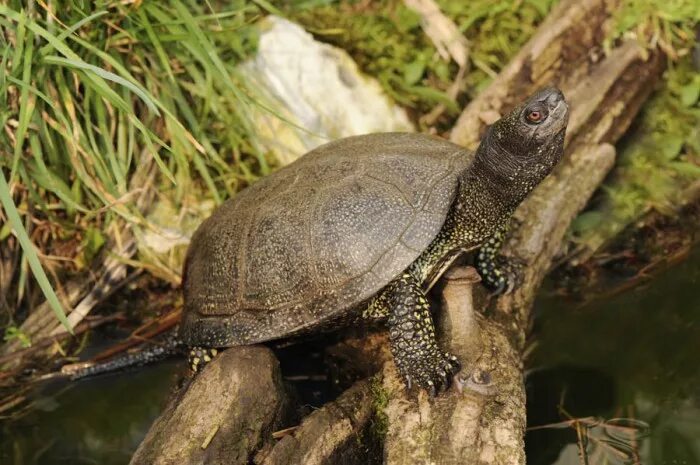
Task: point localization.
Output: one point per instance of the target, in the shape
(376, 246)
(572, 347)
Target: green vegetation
(380, 399)
(669, 24)
(496, 30)
(96, 92)
(386, 40)
(655, 161)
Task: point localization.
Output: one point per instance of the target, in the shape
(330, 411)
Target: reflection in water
(97, 421)
(634, 358)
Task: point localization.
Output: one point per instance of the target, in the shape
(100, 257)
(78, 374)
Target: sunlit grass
(90, 90)
(386, 40)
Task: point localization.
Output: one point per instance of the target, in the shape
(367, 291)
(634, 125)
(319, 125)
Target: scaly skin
(198, 357)
(405, 308)
(511, 160)
(497, 273)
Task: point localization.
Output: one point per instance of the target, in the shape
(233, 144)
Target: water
(631, 362)
(618, 379)
(98, 421)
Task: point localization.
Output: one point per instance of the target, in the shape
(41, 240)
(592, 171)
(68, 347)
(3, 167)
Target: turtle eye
(535, 115)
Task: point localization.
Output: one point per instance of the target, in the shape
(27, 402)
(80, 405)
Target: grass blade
(30, 253)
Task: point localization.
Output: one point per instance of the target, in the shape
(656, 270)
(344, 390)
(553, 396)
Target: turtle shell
(317, 238)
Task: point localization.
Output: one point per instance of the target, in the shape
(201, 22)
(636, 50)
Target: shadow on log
(336, 434)
(227, 413)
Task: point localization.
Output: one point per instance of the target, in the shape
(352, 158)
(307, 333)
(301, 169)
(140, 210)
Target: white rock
(318, 88)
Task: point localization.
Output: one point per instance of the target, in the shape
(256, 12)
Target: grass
(386, 40)
(93, 90)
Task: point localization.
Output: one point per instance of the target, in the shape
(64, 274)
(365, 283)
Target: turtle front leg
(412, 334)
(497, 273)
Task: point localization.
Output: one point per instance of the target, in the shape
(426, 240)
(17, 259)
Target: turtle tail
(170, 347)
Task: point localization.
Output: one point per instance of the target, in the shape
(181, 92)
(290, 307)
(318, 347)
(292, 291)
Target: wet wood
(228, 412)
(638, 254)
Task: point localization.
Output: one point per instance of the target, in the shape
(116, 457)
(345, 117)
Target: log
(485, 421)
(563, 51)
(639, 252)
(227, 413)
(336, 434)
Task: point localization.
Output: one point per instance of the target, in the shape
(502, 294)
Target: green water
(630, 363)
(633, 359)
(98, 421)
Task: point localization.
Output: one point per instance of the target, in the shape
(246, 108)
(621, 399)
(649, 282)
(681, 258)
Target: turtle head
(523, 147)
(538, 123)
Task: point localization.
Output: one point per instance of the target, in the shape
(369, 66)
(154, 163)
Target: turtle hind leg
(412, 335)
(198, 357)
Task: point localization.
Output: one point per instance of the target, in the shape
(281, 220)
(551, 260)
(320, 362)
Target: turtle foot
(432, 371)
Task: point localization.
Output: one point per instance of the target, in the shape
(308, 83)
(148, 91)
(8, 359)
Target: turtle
(361, 228)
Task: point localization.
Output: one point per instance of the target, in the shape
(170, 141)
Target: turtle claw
(432, 375)
(431, 389)
(445, 381)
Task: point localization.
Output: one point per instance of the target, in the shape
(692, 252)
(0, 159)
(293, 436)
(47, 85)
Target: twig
(48, 341)
(442, 31)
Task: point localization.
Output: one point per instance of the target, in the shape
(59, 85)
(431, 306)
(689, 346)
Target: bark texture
(336, 434)
(482, 419)
(227, 413)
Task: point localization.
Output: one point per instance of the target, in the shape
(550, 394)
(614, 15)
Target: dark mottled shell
(316, 238)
